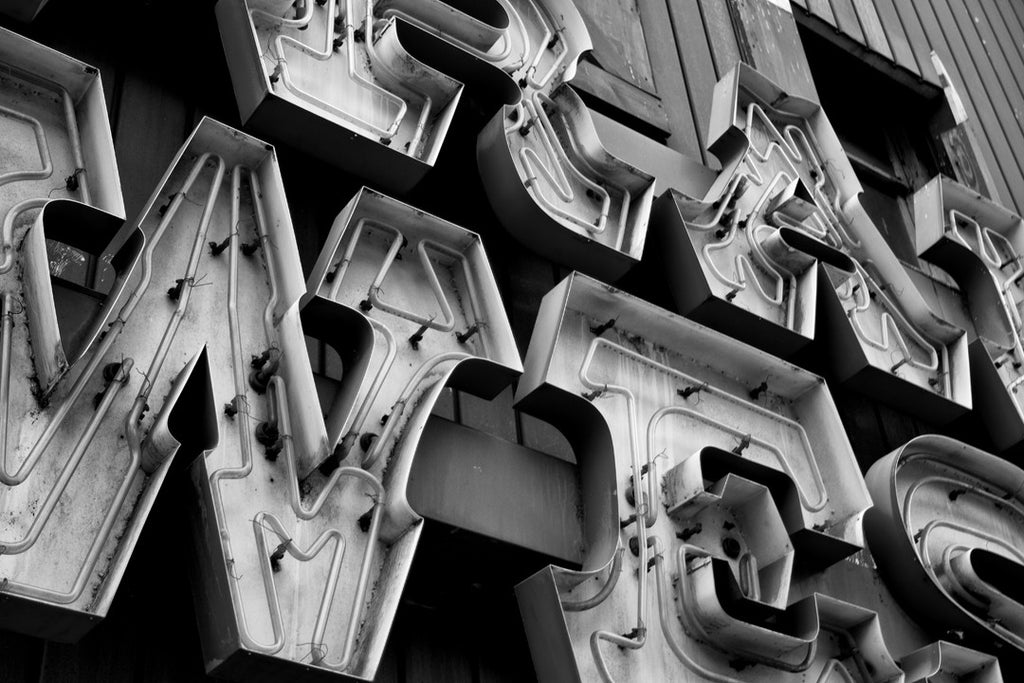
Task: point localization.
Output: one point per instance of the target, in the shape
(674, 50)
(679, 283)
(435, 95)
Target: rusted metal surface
(783, 226)
(336, 79)
(982, 245)
(711, 527)
(339, 71)
(734, 465)
(409, 303)
(557, 188)
(548, 176)
(946, 533)
(69, 514)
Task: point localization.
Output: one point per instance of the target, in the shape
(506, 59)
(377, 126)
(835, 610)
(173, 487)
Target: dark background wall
(163, 69)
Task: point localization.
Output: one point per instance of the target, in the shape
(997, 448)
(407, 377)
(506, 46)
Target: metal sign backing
(306, 533)
(946, 532)
(982, 245)
(372, 88)
(746, 258)
(717, 478)
(335, 79)
(69, 514)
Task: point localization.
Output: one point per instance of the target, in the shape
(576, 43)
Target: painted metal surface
(189, 331)
(946, 533)
(981, 245)
(735, 466)
(782, 227)
(304, 514)
(372, 88)
(559, 190)
(745, 257)
(69, 514)
(481, 483)
(944, 661)
(552, 182)
(550, 179)
(22, 10)
(336, 80)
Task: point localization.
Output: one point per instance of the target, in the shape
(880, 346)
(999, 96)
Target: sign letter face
(71, 510)
(946, 531)
(784, 221)
(376, 82)
(305, 531)
(340, 83)
(728, 476)
(981, 244)
(558, 190)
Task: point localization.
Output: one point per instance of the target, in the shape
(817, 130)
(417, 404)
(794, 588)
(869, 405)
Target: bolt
(366, 441)
(174, 293)
(264, 369)
(690, 391)
(71, 182)
(277, 556)
(267, 433)
(758, 390)
(110, 371)
(463, 337)
(272, 451)
(417, 336)
(216, 248)
(364, 520)
(603, 327)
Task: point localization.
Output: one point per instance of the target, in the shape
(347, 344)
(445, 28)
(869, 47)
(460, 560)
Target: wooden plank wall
(981, 44)
(459, 622)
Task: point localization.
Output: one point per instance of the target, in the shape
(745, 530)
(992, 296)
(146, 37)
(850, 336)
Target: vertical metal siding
(981, 43)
